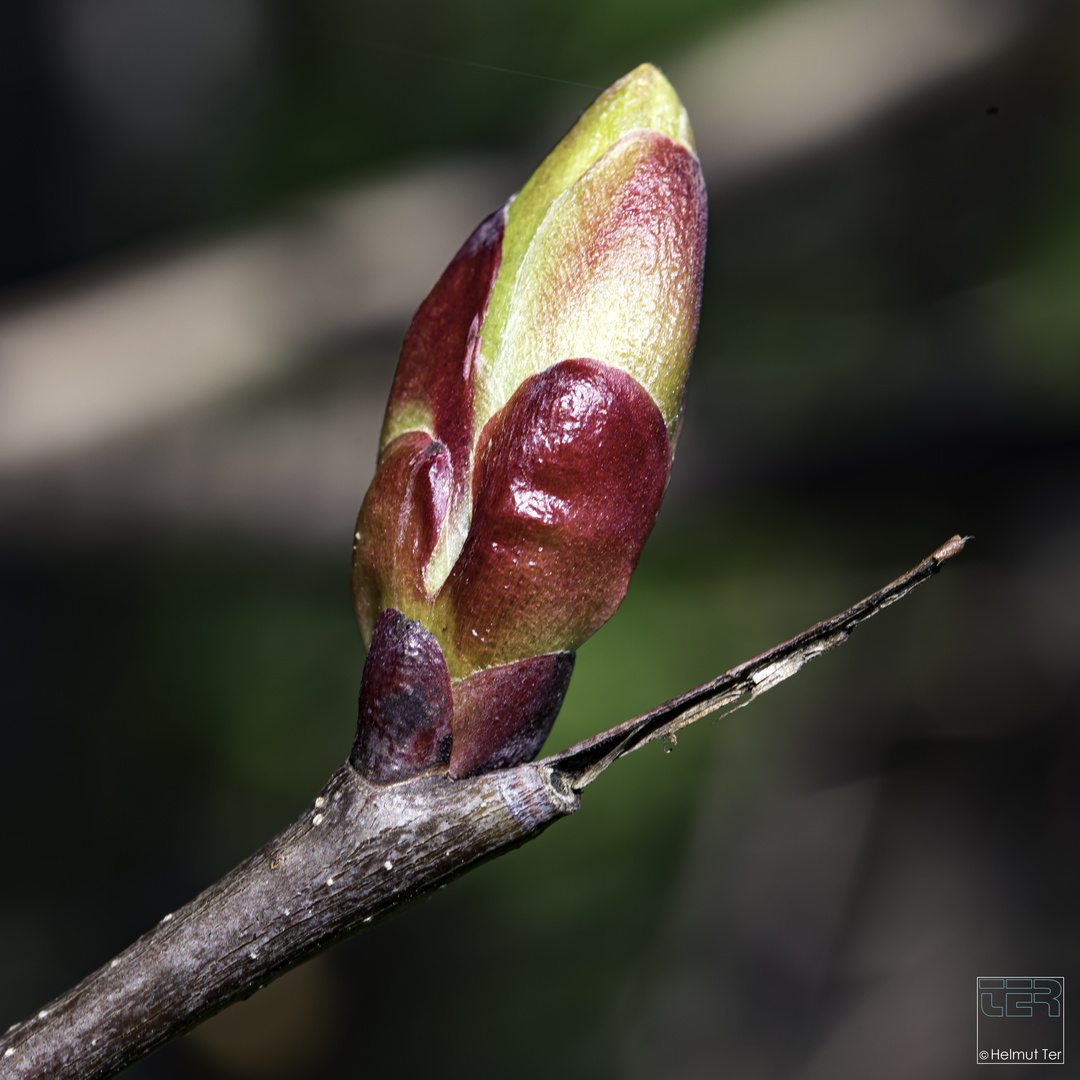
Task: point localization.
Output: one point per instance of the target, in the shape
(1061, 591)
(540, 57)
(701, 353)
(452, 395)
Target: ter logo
(1020, 997)
(1021, 1020)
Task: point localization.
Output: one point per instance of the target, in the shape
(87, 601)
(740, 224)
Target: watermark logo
(1020, 1020)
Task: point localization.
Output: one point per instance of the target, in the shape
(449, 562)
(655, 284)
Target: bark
(358, 852)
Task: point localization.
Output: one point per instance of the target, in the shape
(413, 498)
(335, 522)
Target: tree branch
(356, 854)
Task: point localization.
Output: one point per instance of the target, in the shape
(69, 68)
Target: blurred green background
(217, 221)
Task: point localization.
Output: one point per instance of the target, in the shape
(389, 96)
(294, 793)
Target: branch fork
(357, 853)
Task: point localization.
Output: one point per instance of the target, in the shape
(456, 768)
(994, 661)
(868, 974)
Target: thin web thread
(476, 64)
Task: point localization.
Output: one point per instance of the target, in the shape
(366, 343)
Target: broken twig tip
(583, 763)
(950, 548)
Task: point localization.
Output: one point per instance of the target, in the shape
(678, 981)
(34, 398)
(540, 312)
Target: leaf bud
(528, 442)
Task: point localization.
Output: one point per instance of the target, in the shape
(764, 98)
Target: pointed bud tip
(602, 251)
(644, 98)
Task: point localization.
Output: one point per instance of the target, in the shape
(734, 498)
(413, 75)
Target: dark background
(215, 222)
